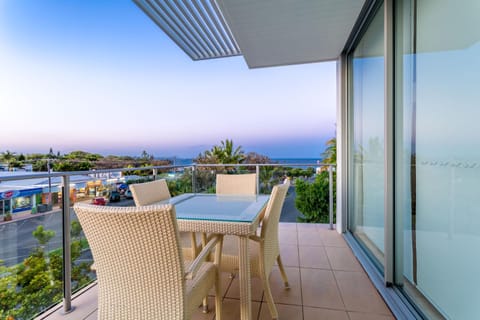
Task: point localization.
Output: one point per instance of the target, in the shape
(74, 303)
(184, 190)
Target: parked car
(122, 187)
(128, 194)
(99, 201)
(114, 196)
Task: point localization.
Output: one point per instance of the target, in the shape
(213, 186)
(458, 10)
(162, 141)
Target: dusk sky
(100, 76)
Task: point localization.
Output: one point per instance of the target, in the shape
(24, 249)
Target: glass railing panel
(30, 253)
(308, 198)
(81, 255)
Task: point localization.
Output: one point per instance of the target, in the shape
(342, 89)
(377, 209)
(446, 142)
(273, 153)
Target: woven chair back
(269, 232)
(148, 193)
(244, 184)
(138, 261)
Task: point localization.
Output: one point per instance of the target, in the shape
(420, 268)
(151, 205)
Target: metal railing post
(330, 196)
(155, 173)
(194, 187)
(257, 171)
(67, 257)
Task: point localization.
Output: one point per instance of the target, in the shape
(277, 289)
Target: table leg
(245, 283)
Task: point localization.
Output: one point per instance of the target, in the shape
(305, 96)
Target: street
(17, 241)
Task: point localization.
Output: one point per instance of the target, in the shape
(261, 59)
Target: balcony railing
(30, 253)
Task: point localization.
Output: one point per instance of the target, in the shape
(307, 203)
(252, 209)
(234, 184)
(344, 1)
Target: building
(24, 195)
(408, 138)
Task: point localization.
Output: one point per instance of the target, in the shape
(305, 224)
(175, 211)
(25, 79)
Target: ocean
(310, 161)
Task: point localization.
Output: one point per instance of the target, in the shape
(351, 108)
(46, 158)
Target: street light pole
(49, 184)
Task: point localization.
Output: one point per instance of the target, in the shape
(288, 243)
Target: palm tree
(229, 154)
(329, 156)
(225, 153)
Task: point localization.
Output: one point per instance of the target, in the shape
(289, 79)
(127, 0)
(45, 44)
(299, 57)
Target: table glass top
(218, 207)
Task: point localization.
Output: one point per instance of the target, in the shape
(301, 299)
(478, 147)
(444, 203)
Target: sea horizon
(188, 161)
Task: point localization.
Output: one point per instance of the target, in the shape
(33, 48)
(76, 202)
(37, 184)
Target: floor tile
(280, 293)
(368, 316)
(319, 289)
(288, 237)
(292, 226)
(313, 257)
(289, 255)
(199, 315)
(210, 315)
(309, 238)
(92, 316)
(234, 290)
(301, 227)
(285, 311)
(342, 259)
(310, 313)
(85, 304)
(231, 309)
(225, 280)
(332, 238)
(359, 294)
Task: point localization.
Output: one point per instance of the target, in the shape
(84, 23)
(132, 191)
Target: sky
(100, 76)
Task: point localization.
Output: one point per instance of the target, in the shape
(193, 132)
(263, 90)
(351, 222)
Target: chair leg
(205, 300)
(269, 297)
(282, 272)
(218, 300)
(193, 243)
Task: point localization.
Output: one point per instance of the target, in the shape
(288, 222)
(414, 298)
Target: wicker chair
(148, 193)
(264, 249)
(140, 268)
(237, 184)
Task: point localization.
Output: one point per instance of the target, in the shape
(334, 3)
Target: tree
(43, 236)
(35, 284)
(329, 156)
(72, 166)
(312, 199)
(224, 153)
(8, 157)
(145, 156)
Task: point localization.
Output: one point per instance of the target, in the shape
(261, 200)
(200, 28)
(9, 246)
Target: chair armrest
(217, 241)
(255, 238)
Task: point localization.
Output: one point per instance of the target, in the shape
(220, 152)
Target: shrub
(312, 199)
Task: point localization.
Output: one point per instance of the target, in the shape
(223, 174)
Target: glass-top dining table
(227, 215)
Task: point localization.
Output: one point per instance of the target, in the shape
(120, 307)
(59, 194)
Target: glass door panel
(366, 126)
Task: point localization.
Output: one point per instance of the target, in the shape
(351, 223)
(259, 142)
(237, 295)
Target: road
(289, 211)
(17, 241)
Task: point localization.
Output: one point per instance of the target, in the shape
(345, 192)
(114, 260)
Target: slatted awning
(197, 27)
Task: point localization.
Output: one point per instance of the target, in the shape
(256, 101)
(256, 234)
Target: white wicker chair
(236, 184)
(148, 193)
(264, 249)
(140, 268)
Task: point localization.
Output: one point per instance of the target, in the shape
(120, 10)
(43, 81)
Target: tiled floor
(326, 280)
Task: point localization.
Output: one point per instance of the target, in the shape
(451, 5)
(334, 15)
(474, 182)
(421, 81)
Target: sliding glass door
(438, 156)
(366, 136)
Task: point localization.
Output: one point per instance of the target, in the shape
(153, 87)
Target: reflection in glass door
(437, 169)
(366, 132)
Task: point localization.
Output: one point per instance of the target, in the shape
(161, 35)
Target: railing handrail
(30, 175)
